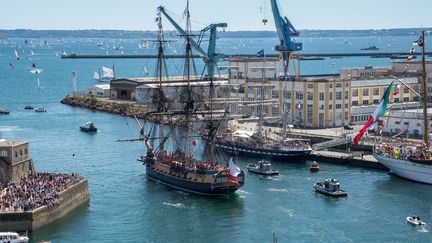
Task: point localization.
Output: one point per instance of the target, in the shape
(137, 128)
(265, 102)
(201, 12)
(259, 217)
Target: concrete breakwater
(69, 199)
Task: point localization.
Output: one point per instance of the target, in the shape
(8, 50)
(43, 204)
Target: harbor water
(126, 207)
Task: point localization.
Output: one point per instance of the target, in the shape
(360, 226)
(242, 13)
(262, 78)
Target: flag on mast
(234, 170)
(380, 110)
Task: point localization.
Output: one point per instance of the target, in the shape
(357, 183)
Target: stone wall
(68, 200)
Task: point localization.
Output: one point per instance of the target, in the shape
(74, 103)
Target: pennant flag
(420, 41)
(234, 170)
(412, 50)
(186, 11)
(380, 110)
(260, 53)
(396, 90)
(194, 143)
(409, 58)
(158, 18)
(298, 106)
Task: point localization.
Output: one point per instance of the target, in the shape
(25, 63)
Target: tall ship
(180, 169)
(259, 144)
(410, 160)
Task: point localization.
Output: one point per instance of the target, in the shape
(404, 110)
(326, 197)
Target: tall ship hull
(407, 169)
(204, 182)
(267, 153)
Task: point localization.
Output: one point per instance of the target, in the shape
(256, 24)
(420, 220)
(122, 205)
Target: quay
(347, 54)
(30, 200)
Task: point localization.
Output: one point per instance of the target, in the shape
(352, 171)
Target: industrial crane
(286, 33)
(286, 48)
(210, 57)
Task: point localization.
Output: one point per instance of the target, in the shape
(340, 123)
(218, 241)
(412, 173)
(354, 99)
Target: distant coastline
(127, 34)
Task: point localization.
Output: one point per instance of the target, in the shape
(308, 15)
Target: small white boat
(40, 109)
(88, 127)
(13, 237)
(415, 220)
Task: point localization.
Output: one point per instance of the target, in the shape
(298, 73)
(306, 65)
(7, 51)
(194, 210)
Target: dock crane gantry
(287, 47)
(286, 33)
(211, 57)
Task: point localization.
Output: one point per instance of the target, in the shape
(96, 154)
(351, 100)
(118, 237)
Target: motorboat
(314, 167)
(88, 127)
(4, 111)
(263, 168)
(40, 109)
(415, 220)
(13, 237)
(330, 187)
(28, 107)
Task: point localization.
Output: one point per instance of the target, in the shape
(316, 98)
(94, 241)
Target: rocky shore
(114, 107)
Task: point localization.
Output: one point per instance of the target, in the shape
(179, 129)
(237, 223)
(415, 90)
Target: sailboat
(179, 169)
(17, 55)
(412, 161)
(104, 74)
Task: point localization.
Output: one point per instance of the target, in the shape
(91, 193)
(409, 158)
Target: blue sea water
(126, 207)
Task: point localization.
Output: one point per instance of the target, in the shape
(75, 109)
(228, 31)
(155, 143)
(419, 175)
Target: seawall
(69, 199)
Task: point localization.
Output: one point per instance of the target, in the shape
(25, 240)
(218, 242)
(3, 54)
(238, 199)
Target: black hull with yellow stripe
(202, 182)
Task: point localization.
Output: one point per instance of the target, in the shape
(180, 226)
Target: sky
(238, 14)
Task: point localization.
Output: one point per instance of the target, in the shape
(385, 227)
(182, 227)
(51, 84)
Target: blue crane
(286, 33)
(211, 57)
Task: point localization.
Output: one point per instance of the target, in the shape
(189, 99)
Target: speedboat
(330, 187)
(28, 107)
(13, 237)
(314, 167)
(88, 127)
(263, 168)
(415, 220)
(40, 109)
(4, 111)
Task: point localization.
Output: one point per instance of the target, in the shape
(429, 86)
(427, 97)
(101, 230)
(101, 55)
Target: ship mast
(160, 97)
(189, 102)
(425, 96)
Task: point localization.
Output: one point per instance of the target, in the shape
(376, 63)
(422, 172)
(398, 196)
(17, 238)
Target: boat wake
(423, 230)
(9, 128)
(277, 190)
(175, 205)
(243, 192)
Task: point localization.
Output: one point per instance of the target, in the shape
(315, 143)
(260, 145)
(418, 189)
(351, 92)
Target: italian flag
(380, 110)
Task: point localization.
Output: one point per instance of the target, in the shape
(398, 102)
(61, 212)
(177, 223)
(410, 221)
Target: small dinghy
(28, 107)
(4, 111)
(330, 187)
(40, 109)
(415, 220)
(314, 167)
(263, 168)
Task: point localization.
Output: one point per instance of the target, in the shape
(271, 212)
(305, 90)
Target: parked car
(348, 127)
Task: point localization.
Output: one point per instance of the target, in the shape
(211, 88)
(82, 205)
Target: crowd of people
(34, 191)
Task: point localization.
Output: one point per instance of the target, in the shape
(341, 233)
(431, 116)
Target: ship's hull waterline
(273, 154)
(407, 169)
(202, 184)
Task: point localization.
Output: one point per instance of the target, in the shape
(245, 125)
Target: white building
(99, 90)
(407, 121)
